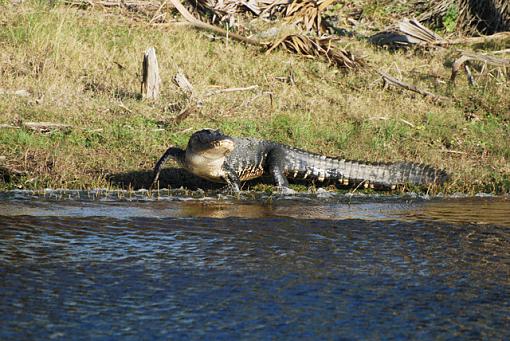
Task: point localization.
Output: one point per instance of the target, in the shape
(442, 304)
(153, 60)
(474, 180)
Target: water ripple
(230, 270)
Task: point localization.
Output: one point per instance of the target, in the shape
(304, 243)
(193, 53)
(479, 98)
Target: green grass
(82, 68)
(450, 19)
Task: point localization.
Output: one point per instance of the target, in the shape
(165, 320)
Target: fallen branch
(219, 91)
(394, 81)
(479, 40)
(470, 56)
(20, 93)
(500, 51)
(384, 118)
(116, 3)
(8, 126)
(183, 83)
(407, 122)
(45, 127)
(201, 25)
(451, 151)
(184, 113)
(470, 77)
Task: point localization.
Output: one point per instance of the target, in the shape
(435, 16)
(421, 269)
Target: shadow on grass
(168, 178)
(178, 177)
(173, 178)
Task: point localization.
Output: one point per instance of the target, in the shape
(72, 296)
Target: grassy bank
(81, 68)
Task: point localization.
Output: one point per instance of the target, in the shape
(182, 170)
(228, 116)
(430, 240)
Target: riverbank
(81, 68)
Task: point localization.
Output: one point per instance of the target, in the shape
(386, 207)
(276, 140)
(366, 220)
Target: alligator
(216, 157)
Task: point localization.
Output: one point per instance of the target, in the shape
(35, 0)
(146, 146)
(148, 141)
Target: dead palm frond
(272, 7)
(295, 43)
(318, 48)
(308, 13)
(223, 10)
(407, 32)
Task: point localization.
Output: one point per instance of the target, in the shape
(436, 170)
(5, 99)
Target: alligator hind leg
(274, 161)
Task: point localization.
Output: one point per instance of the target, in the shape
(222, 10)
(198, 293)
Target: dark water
(74, 266)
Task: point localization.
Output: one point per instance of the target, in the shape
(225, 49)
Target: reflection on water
(326, 206)
(362, 268)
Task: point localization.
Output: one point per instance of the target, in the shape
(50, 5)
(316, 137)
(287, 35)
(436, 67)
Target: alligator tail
(347, 172)
(172, 152)
(387, 174)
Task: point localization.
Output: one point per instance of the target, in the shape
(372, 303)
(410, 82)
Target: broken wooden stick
(115, 3)
(470, 56)
(45, 127)
(394, 81)
(219, 91)
(8, 126)
(479, 40)
(150, 75)
(20, 93)
(184, 113)
(183, 83)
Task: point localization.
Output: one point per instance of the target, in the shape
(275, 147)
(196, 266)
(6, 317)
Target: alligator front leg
(232, 179)
(172, 152)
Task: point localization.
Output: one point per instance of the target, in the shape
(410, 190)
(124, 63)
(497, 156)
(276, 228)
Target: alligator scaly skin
(302, 165)
(247, 158)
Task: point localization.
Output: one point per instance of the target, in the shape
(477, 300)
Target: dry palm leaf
(410, 32)
(308, 13)
(204, 26)
(304, 12)
(407, 32)
(296, 43)
(225, 10)
(318, 47)
(272, 7)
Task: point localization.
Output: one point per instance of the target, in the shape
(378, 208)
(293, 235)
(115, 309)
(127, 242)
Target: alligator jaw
(221, 147)
(210, 143)
(206, 154)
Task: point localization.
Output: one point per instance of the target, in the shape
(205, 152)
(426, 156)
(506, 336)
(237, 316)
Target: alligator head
(206, 152)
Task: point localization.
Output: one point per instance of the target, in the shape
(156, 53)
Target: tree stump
(150, 75)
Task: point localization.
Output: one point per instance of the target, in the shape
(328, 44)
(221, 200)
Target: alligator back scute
(390, 174)
(414, 173)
